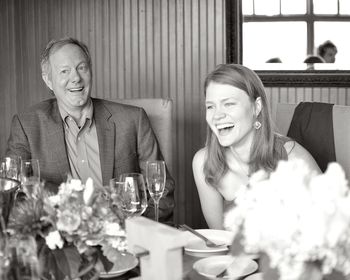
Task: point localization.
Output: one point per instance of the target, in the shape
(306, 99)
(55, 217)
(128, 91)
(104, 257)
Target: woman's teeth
(224, 128)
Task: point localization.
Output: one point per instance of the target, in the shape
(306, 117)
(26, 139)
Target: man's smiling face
(70, 77)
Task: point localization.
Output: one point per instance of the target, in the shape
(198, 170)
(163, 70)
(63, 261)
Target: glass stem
(156, 211)
(2, 224)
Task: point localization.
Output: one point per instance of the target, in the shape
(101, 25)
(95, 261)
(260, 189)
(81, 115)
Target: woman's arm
(211, 200)
(296, 151)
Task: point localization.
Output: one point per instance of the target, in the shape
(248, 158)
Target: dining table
(153, 242)
(188, 272)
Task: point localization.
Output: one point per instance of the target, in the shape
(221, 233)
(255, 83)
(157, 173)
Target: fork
(224, 272)
(208, 242)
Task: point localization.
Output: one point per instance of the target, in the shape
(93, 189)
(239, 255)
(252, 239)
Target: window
(293, 29)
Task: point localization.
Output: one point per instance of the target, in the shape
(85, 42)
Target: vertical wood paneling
(139, 48)
(295, 95)
(7, 65)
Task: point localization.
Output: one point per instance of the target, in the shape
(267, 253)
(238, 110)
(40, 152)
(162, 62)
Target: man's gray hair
(55, 45)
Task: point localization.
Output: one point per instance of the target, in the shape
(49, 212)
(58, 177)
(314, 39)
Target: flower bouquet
(295, 217)
(73, 229)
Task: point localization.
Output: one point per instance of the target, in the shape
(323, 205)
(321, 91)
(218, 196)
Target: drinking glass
(132, 193)
(155, 177)
(8, 190)
(30, 176)
(4, 257)
(117, 200)
(22, 255)
(10, 167)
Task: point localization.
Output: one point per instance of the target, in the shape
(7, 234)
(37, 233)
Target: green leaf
(68, 261)
(49, 265)
(107, 265)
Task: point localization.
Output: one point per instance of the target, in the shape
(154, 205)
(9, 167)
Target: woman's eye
(229, 104)
(209, 107)
(64, 71)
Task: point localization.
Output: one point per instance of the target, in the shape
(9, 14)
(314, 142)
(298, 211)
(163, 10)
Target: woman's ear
(258, 106)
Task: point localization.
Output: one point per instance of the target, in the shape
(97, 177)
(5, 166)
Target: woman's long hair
(263, 153)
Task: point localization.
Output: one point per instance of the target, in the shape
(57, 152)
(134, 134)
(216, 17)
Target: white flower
(68, 221)
(54, 200)
(54, 240)
(83, 215)
(112, 229)
(75, 185)
(88, 191)
(295, 215)
(70, 187)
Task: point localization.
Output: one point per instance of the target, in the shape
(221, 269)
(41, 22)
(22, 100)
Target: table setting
(288, 225)
(80, 232)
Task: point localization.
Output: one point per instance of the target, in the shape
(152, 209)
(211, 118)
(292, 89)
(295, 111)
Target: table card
(164, 245)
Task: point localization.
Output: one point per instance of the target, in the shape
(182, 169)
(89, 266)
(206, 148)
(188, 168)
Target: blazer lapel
(55, 134)
(106, 139)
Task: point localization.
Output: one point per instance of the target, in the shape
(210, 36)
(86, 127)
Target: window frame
(274, 78)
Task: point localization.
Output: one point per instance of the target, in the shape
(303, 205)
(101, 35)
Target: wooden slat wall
(340, 96)
(140, 48)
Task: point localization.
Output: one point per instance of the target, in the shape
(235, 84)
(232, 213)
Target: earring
(257, 125)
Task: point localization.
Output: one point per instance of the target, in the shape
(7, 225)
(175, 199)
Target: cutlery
(224, 272)
(208, 242)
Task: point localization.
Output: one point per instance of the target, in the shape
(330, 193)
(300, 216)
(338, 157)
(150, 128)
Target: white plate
(124, 262)
(237, 267)
(196, 246)
(255, 276)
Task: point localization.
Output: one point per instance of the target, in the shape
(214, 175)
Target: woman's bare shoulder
(297, 151)
(199, 156)
(294, 149)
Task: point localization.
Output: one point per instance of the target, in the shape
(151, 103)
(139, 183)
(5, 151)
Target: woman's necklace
(240, 163)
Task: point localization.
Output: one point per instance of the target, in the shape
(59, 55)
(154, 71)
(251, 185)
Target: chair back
(159, 111)
(284, 115)
(341, 130)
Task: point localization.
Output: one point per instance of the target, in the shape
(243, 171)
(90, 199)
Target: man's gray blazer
(125, 138)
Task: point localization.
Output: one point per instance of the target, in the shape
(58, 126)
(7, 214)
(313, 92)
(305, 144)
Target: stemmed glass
(155, 177)
(20, 260)
(10, 167)
(131, 190)
(30, 176)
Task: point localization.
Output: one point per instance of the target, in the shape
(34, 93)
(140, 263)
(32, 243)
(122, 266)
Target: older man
(82, 136)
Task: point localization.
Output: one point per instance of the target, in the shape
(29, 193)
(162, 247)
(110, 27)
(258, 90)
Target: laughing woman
(240, 140)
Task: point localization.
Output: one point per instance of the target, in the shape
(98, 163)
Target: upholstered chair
(322, 128)
(159, 112)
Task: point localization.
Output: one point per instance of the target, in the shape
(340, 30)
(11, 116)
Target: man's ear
(258, 106)
(47, 80)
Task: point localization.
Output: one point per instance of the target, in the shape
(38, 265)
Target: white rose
(54, 240)
(112, 228)
(54, 199)
(76, 185)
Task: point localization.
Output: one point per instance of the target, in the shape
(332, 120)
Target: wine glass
(30, 176)
(155, 177)
(8, 190)
(10, 167)
(22, 257)
(132, 193)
